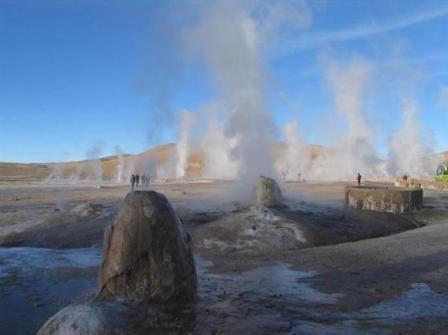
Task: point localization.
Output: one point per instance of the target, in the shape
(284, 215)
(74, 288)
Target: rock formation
(256, 230)
(260, 228)
(77, 319)
(86, 210)
(147, 259)
(267, 193)
(146, 253)
(384, 199)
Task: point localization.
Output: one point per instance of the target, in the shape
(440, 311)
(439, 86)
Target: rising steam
(227, 38)
(184, 144)
(94, 154)
(407, 145)
(297, 157)
(232, 39)
(354, 152)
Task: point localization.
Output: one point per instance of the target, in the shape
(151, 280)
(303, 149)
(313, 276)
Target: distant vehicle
(442, 172)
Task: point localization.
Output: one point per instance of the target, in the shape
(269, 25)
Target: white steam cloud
(125, 167)
(407, 147)
(297, 157)
(93, 154)
(355, 151)
(231, 37)
(218, 162)
(226, 37)
(184, 144)
(120, 174)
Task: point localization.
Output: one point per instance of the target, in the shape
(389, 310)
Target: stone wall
(384, 199)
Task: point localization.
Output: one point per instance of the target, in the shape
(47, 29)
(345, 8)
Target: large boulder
(267, 193)
(146, 253)
(147, 261)
(77, 319)
(118, 317)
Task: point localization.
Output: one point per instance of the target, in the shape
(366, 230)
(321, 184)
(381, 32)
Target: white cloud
(316, 39)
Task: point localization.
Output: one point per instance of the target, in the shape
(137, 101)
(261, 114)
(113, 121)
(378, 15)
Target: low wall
(384, 199)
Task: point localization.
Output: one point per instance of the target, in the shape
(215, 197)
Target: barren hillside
(10, 172)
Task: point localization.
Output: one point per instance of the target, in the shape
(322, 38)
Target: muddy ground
(363, 273)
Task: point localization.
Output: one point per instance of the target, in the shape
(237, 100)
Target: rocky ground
(355, 273)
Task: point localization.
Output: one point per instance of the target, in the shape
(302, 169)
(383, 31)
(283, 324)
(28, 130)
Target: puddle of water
(417, 303)
(276, 293)
(420, 301)
(35, 283)
(28, 262)
(278, 280)
(31, 259)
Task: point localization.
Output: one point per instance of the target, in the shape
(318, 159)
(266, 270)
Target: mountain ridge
(160, 154)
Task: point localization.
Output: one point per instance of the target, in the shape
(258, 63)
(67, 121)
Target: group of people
(136, 178)
(284, 174)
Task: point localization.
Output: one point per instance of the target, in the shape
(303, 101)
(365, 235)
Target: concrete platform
(384, 198)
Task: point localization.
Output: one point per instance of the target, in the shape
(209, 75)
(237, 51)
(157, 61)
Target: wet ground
(271, 299)
(395, 284)
(36, 282)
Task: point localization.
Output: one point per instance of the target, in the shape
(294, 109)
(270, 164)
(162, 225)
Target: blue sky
(74, 74)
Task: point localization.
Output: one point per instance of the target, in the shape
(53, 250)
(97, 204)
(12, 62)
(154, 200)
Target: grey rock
(267, 193)
(146, 253)
(106, 318)
(384, 199)
(74, 320)
(147, 261)
(86, 210)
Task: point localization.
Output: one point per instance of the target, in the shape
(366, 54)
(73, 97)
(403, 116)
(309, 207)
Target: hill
(15, 172)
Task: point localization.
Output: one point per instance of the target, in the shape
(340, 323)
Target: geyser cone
(266, 192)
(146, 253)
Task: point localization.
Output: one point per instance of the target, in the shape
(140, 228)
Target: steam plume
(226, 37)
(120, 177)
(94, 154)
(355, 151)
(218, 163)
(296, 158)
(407, 146)
(183, 146)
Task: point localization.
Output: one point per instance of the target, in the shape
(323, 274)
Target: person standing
(137, 179)
(132, 181)
(359, 179)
